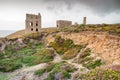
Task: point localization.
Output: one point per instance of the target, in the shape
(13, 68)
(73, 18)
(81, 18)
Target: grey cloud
(101, 7)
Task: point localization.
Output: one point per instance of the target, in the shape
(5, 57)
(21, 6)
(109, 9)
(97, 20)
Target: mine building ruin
(33, 23)
(63, 23)
(84, 20)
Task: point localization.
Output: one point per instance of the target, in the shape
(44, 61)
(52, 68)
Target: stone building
(63, 23)
(84, 20)
(33, 23)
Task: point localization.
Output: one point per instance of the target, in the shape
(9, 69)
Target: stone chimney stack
(39, 14)
(84, 20)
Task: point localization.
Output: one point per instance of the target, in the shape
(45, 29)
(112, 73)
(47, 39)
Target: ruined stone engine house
(33, 23)
(63, 23)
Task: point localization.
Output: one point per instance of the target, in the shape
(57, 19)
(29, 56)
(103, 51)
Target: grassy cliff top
(110, 28)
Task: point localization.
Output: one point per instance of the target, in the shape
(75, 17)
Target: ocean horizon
(4, 33)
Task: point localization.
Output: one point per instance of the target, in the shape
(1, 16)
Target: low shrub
(100, 74)
(62, 68)
(118, 30)
(7, 65)
(70, 53)
(93, 64)
(42, 55)
(66, 75)
(85, 53)
(15, 55)
(66, 47)
(87, 60)
(39, 72)
(29, 60)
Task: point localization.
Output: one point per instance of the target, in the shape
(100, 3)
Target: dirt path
(57, 58)
(34, 68)
(27, 73)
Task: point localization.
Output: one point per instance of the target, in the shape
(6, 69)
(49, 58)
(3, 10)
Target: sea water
(4, 33)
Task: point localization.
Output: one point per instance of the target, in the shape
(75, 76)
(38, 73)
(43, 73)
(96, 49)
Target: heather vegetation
(100, 74)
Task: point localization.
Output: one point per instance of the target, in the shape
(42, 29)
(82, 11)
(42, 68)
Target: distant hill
(17, 34)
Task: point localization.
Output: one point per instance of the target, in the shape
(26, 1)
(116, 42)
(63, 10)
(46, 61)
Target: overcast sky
(12, 12)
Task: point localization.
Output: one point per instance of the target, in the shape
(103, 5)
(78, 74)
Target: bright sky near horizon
(12, 12)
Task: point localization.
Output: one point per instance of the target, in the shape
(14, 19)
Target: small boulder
(58, 76)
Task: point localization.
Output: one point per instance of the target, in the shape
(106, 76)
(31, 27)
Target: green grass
(118, 30)
(10, 65)
(87, 61)
(42, 55)
(93, 64)
(29, 60)
(57, 69)
(28, 55)
(40, 72)
(3, 77)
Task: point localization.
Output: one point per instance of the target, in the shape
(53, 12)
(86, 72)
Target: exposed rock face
(57, 76)
(2, 45)
(103, 44)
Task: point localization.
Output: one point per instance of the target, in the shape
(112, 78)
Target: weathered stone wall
(63, 23)
(33, 23)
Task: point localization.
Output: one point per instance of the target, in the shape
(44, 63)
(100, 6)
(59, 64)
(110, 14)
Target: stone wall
(33, 23)
(63, 23)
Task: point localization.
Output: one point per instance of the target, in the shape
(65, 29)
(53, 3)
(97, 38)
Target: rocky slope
(104, 45)
(59, 55)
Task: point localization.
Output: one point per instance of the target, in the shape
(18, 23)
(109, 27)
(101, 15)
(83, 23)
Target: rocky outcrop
(2, 45)
(104, 45)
